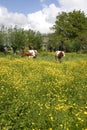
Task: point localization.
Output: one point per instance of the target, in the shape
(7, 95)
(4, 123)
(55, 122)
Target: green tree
(83, 40)
(33, 39)
(3, 36)
(4, 43)
(53, 41)
(72, 28)
(17, 38)
(37, 40)
(30, 37)
(70, 25)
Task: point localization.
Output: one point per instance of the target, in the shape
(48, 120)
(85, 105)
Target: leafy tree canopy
(71, 24)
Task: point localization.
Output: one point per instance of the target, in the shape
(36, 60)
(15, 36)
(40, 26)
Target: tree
(70, 25)
(83, 39)
(72, 28)
(17, 38)
(34, 39)
(3, 36)
(30, 37)
(53, 42)
(4, 39)
(37, 40)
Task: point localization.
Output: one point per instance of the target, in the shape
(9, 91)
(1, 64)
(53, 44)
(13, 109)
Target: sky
(38, 15)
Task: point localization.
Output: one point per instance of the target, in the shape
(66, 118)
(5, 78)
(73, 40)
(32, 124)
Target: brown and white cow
(30, 53)
(59, 55)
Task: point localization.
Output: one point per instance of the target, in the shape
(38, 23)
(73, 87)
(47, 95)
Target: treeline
(69, 27)
(17, 38)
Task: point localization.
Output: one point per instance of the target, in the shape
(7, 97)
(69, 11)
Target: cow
(30, 53)
(59, 55)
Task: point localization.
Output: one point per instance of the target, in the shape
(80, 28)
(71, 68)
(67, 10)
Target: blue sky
(38, 15)
(26, 6)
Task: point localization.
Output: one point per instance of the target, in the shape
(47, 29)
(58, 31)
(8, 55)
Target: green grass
(42, 94)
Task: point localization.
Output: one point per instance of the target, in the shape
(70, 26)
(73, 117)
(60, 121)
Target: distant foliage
(72, 26)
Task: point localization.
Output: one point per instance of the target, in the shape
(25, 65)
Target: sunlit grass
(41, 94)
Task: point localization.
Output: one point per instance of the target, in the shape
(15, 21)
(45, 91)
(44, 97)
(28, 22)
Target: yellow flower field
(43, 95)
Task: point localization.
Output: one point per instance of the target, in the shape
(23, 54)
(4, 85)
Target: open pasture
(42, 94)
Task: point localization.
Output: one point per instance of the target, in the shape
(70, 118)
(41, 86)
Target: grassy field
(42, 94)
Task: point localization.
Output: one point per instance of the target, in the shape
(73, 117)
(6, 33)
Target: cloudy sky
(38, 15)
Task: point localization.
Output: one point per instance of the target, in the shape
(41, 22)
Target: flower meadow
(37, 94)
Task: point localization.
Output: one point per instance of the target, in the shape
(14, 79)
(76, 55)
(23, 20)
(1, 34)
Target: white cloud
(51, 13)
(43, 19)
(38, 21)
(11, 19)
(69, 5)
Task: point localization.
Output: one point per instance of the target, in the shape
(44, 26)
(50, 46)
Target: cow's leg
(56, 58)
(63, 53)
(59, 59)
(30, 57)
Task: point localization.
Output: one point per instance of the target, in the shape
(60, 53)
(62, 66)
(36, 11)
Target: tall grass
(42, 94)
